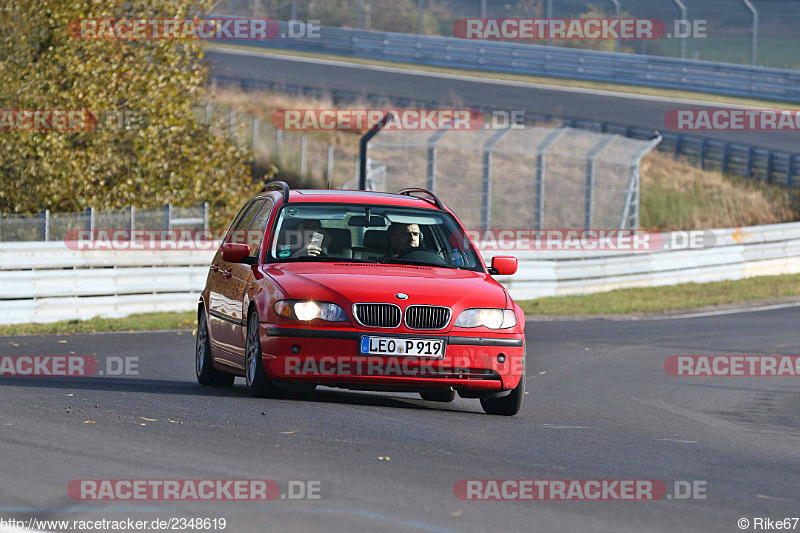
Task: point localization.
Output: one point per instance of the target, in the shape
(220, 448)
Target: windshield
(371, 234)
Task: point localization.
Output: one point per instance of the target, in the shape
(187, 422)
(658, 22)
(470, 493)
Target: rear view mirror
(234, 252)
(503, 265)
(361, 220)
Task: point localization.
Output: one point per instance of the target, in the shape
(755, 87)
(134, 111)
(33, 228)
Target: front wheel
(257, 381)
(203, 366)
(510, 404)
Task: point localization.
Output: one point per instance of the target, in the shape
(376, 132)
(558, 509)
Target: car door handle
(214, 268)
(227, 273)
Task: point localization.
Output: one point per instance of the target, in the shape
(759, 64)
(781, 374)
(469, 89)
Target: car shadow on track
(188, 388)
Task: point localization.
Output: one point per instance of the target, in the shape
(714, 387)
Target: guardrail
(737, 253)
(551, 61)
(45, 282)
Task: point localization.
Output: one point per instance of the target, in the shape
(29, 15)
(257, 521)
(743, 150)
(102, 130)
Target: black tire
(256, 378)
(203, 366)
(439, 395)
(510, 404)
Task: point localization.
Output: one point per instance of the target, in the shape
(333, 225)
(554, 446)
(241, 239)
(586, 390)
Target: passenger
(307, 228)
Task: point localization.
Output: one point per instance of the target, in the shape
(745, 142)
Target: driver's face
(405, 237)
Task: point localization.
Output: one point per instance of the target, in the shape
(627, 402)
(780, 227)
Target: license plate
(402, 347)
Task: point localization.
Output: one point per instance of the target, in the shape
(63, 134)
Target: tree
(169, 156)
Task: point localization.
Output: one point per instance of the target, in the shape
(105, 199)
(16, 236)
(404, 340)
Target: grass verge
(138, 322)
(686, 296)
(649, 300)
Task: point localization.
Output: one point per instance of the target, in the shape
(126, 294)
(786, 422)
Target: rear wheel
(257, 381)
(510, 404)
(439, 395)
(203, 366)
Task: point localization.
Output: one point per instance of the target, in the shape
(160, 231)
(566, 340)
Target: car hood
(347, 283)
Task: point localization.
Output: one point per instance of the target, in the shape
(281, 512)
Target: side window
(243, 233)
(255, 233)
(237, 223)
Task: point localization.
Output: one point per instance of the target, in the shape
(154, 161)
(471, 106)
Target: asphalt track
(600, 406)
(619, 108)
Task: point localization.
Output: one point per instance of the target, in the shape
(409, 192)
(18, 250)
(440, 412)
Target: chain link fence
(47, 226)
(535, 177)
(318, 162)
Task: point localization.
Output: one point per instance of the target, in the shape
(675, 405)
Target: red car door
(224, 318)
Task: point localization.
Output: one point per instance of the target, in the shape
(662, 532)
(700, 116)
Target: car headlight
(306, 310)
(490, 318)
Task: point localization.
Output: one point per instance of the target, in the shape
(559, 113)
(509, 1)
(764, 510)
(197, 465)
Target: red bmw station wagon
(359, 290)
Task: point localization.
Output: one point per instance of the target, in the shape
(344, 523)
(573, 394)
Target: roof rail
(278, 185)
(408, 192)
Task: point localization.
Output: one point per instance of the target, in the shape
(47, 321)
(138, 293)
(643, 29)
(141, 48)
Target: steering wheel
(425, 255)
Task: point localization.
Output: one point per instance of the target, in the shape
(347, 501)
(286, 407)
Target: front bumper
(331, 357)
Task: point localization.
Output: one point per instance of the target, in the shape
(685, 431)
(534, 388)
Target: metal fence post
(754, 12)
(486, 191)
(703, 150)
(726, 157)
(205, 216)
(87, 219)
(91, 218)
(770, 166)
(303, 154)
(541, 174)
(46, 224)
(166, 216)
(133, 218)
(255, 134)
(329, 170)
(683, 17)
(431, 172)
(589, 195)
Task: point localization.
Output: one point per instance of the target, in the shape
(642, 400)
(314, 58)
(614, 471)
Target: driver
(403, 237)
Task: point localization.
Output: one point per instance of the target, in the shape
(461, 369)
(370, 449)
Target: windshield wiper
(386, 260)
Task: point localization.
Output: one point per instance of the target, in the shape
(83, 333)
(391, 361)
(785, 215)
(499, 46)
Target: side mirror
(234, 252)
(503, 265)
